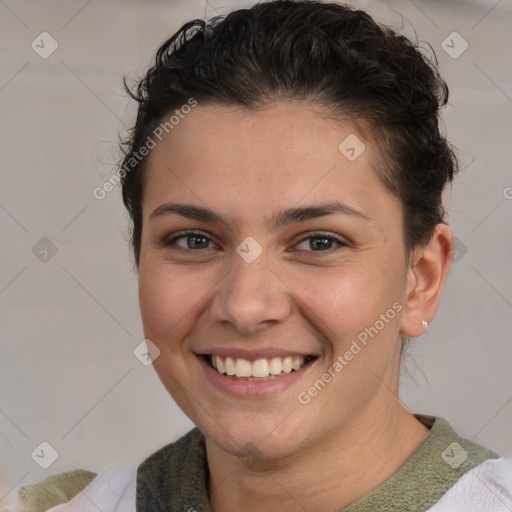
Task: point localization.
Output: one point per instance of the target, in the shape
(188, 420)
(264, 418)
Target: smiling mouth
(260, 369)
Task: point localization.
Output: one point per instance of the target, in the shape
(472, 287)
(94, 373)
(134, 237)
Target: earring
(425, 324)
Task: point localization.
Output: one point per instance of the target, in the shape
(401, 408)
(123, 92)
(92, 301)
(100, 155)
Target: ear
(426, 274)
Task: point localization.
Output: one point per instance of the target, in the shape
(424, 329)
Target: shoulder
(486, 488)
(53, 490)
(112, 489)
(80, 490)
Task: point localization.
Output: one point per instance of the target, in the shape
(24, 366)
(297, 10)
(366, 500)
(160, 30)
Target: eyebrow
(274, 222)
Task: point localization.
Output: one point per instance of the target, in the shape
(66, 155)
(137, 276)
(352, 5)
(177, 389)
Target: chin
(254, 449)
(256, 440)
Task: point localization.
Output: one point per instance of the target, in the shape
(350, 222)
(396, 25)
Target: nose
(251, 296)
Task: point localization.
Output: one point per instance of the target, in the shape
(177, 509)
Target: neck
(325, 477)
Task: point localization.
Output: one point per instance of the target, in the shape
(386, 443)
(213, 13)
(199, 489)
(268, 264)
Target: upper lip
(253, 355)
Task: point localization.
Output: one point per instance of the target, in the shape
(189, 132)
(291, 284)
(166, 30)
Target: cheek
(341, 303)
(168, 299)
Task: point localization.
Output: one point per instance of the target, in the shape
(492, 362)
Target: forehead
(283, 154)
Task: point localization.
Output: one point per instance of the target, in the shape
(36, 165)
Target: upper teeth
(259, 368)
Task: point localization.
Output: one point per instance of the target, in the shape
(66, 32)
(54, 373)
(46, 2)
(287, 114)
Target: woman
(285, 178)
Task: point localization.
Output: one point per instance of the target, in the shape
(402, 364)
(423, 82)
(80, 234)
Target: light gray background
(70, 325)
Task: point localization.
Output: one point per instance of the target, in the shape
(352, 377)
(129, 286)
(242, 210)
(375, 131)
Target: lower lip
(253, 389)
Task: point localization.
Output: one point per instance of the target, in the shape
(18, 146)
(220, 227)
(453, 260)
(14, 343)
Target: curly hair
(327, 54)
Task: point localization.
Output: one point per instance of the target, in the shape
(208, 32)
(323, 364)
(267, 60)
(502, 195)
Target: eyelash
(168, 243)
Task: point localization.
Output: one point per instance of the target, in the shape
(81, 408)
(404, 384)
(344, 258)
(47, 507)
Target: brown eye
(320, 242)
(192, 240)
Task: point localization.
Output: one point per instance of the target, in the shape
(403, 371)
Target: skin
(245, 166)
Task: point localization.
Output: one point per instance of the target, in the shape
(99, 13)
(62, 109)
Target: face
(244, 258)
